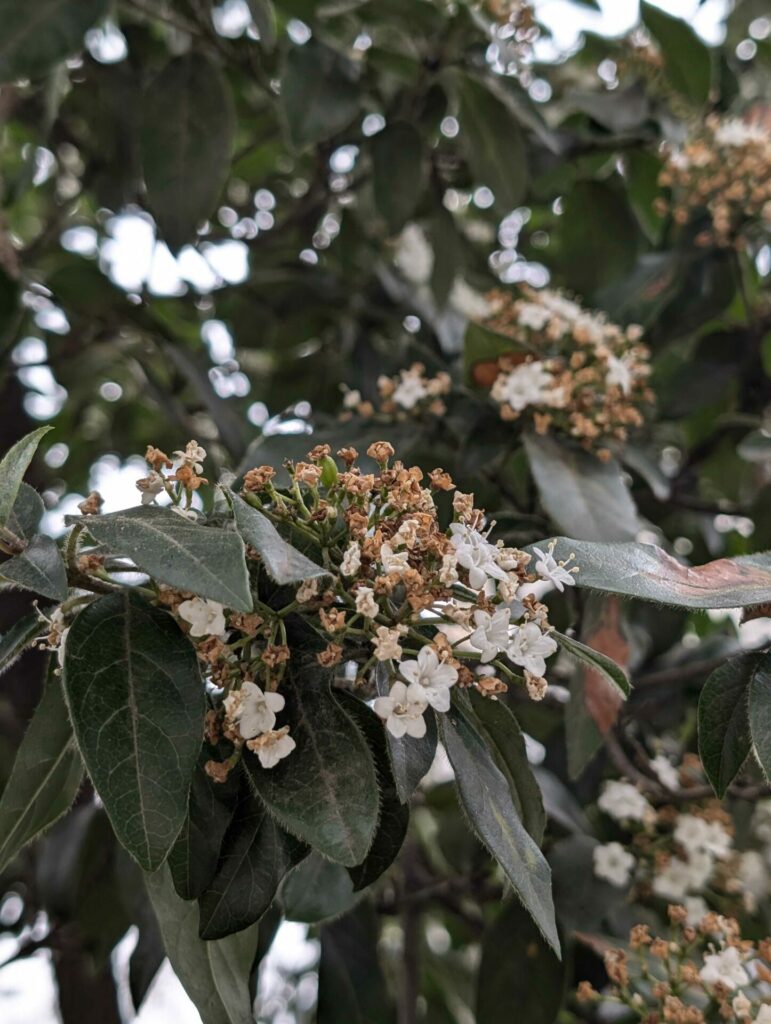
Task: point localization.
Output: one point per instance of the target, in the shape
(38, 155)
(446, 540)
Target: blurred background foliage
(202, 234)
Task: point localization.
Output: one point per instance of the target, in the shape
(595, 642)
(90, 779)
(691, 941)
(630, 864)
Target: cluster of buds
(699, 973)
(572, 371)
(409, 394)
(179, 477)
(724, 169)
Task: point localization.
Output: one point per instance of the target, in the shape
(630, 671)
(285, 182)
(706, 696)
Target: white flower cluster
(254, 713)
(703, 844)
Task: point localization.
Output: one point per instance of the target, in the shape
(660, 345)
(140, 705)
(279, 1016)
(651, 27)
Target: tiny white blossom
(665, 772)
(532, 315)
(206, 617)
(448, 573)
(386, 642)
(352, 399)
(696, 907)
(694, 833)
(476, 554)
(491, 635)
(407, 534)
(741, 1005)
(429, 678)
(679, 877)
(619, 374)
(620, 800)
(351, 562)
(613, 863)
(272, 747)
(307, 590)
(402, 712)
(548, 568)
(525, 385)
(725, 968)
(257, 710)
(753, 874)
(409, 391)
(735, 132)
(192, 456)
(150, 487)
(365, 602)
(468, 302)
(414, 256)
(394, 561)
(529, 648)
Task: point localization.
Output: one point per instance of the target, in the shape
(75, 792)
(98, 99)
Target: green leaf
(351, 983)
(599, 235)
(584, 496)
(319, 93)
(186, 141)
(26, 513)
(394, 815)
(136, 699)
(256, 855)
(16, 460)
(37, 36)
(647, 572)
(264, 16)
(325, 791)
(597, 661)
(284, 563)
(202, 967)
(45, 777)
(317, 889)
(483, 347)
(503, 735)
(724, 725)
(760, 711)
(16, 640)
(486, 799)
(687, 60)
(398, 178)
(410, 758)
(194, 857)
(205, 560)
(494, 143)
(39, 568)
(535, 986)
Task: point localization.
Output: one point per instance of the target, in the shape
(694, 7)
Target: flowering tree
(448, 636)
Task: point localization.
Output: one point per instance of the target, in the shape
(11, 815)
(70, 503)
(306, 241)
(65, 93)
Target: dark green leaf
(205, 560)
(503, 735)
(45, 777)
(39, 568)
(317, 889)
(37, 36)
(687, 60)
(724, 725)
(583, 737)
(488, 803)
(760, 710)
(325, 791)
(17, 639)
(26, 513)
(255, 856)
(232, 962)
(585, 497)
(649, 573)
(494, 143)
(446, 245)
(599, 235)
(186, 139)
(264, 17)
(410, 758)
(351, 983)
(284, 563)
(518, 970)
(583, 901)
(597, 661)
(397, 155)
(16, 460)
(137, 703)
(319, 93)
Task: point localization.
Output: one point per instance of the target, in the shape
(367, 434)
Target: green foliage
(284, 563)
(12, 469)
(34, 40)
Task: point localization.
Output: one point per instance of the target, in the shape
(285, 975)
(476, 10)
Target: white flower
(696, 907)
(613, 863)
(476, 554)
(150, 487)
(620, 800)
(206, 617)
(407, 534)
(764, 1015)
(273, 747)
(414, 256)
(352, 399)
(560, 305)
(468, 302)
(761, 821)
(619, 374)
(386, 642)
(741, 1005)
(696, 834)
(529, 647)
(351, 562)
(366, 604)
(257, 710)
(393, 561)
(402, 712)
(429, 678)
(735, 132)
(532, 315)
(527, 384)
(491, 636)
(409, 391)
(548, 568)
(724, 967)
(192, 456)
(682, 876)
(307, 590)
(753, 875)
(665, 772)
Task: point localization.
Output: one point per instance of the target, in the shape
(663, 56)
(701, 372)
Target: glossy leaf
(284, 563)
(27, 511)
(14, 463)
(317, 889)
(325, 791)
(319, 93)
(494, 143)
(597, 661)
(760, 711)
(208, 561)
(37, 36)
(647, 572)
(45, 777)
(398, 179)
(186, 139)
(724, 727)
(485, 796)
(137, 703)
(687, 60)
(39, 568)
(17, 639)
(585, 497)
